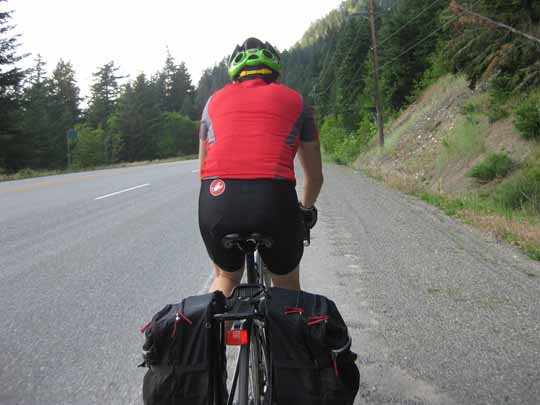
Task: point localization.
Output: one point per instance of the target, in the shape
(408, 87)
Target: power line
(411, 47)
(347, 54)
(409, 22)
(459, 10)
(455, 18)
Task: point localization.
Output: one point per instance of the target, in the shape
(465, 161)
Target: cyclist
(250, 132)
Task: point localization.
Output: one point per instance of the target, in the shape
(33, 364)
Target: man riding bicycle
(250, 133)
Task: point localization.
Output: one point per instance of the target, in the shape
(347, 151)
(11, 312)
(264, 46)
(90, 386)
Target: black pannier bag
(312, 363)
(185, 354)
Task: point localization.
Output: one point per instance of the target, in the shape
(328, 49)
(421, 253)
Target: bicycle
(253, 372)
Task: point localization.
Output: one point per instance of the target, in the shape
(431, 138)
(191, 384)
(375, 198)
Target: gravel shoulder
(439, 314)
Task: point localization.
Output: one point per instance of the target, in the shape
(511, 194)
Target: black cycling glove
(309, 215)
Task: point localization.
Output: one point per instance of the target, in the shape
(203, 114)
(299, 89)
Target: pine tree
(104, 94)
(137, 120)
(211, 80)
(103, 99)
(177, 92)
(63, 109)
(12, 143)
(35, 118)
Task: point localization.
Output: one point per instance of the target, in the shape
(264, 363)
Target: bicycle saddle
(247, 243)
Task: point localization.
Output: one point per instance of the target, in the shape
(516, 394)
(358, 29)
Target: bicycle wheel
(259, 367)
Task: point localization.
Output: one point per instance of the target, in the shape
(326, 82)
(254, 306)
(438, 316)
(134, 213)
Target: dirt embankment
(432, 146)
(419, 154)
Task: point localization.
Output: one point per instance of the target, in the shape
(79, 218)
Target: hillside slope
(434, 144)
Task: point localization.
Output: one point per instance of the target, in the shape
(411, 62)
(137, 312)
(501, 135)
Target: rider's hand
(309, 215)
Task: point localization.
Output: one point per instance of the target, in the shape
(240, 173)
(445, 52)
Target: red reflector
(236, 337)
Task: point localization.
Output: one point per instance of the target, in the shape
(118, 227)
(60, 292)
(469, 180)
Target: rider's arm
(202, 153)
(309, 154)
(203, 134)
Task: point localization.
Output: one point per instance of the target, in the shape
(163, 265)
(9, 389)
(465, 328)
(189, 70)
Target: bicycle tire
(259, 367)
(254, 370)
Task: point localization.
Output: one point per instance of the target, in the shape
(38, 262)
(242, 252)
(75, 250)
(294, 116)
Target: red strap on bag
(293, 310)
(179, 317)
(143, 329)
(336, 367)
(313, 320)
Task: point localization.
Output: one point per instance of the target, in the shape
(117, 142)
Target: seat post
(251, 268)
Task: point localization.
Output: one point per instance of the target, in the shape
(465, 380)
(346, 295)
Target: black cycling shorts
(266, 206)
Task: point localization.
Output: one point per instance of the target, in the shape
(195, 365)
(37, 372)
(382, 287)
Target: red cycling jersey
(252, 130)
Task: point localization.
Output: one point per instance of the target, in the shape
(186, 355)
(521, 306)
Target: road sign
(72, 134)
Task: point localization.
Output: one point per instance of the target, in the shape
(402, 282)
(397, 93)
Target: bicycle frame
(251, 323)
(244, 313)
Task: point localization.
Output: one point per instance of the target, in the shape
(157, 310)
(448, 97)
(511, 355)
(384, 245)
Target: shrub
(495, 165)
(89, 149)
(469, 108)
(521, 191)
(496, 112)
(341, 145)
(527, 117)
(332, 134)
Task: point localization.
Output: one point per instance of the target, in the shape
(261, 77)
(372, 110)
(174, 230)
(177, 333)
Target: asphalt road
(439, 314)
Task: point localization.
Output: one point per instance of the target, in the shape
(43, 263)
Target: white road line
(195, 171)
(121, 191)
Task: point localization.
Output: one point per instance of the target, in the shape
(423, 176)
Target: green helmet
(254, 54)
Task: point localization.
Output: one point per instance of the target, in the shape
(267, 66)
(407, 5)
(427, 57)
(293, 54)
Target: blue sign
(72, 134)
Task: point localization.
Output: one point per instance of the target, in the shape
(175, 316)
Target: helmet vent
(239, 57)
(253, 57)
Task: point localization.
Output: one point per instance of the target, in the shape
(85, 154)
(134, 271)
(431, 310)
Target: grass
(464, 142)
(31, 173)
(516, 227)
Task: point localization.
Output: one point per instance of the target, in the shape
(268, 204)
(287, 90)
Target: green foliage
(438, 67)
(464, 142)
(495, 165)
(13, 148)
(340, 144)
(89, 149)
(178, 136)
(533, 252)
(527, 116)
(521, 191)
(105, 92)
(175, 88)
(401, 71)
(496, 112)
(211, 80)
(449, 206)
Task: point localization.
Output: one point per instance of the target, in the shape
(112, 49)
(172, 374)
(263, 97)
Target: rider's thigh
(290, 281)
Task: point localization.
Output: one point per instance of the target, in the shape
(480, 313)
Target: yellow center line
(52, 183)
(47, 184)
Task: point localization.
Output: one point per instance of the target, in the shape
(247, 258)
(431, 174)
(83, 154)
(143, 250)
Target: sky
(135, 34)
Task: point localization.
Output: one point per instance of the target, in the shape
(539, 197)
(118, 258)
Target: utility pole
(378, 102)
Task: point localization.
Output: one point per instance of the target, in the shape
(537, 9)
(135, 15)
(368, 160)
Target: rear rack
(243, 303)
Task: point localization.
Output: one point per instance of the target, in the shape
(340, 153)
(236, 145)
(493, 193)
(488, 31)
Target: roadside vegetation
(463, 126)
(30, 173)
